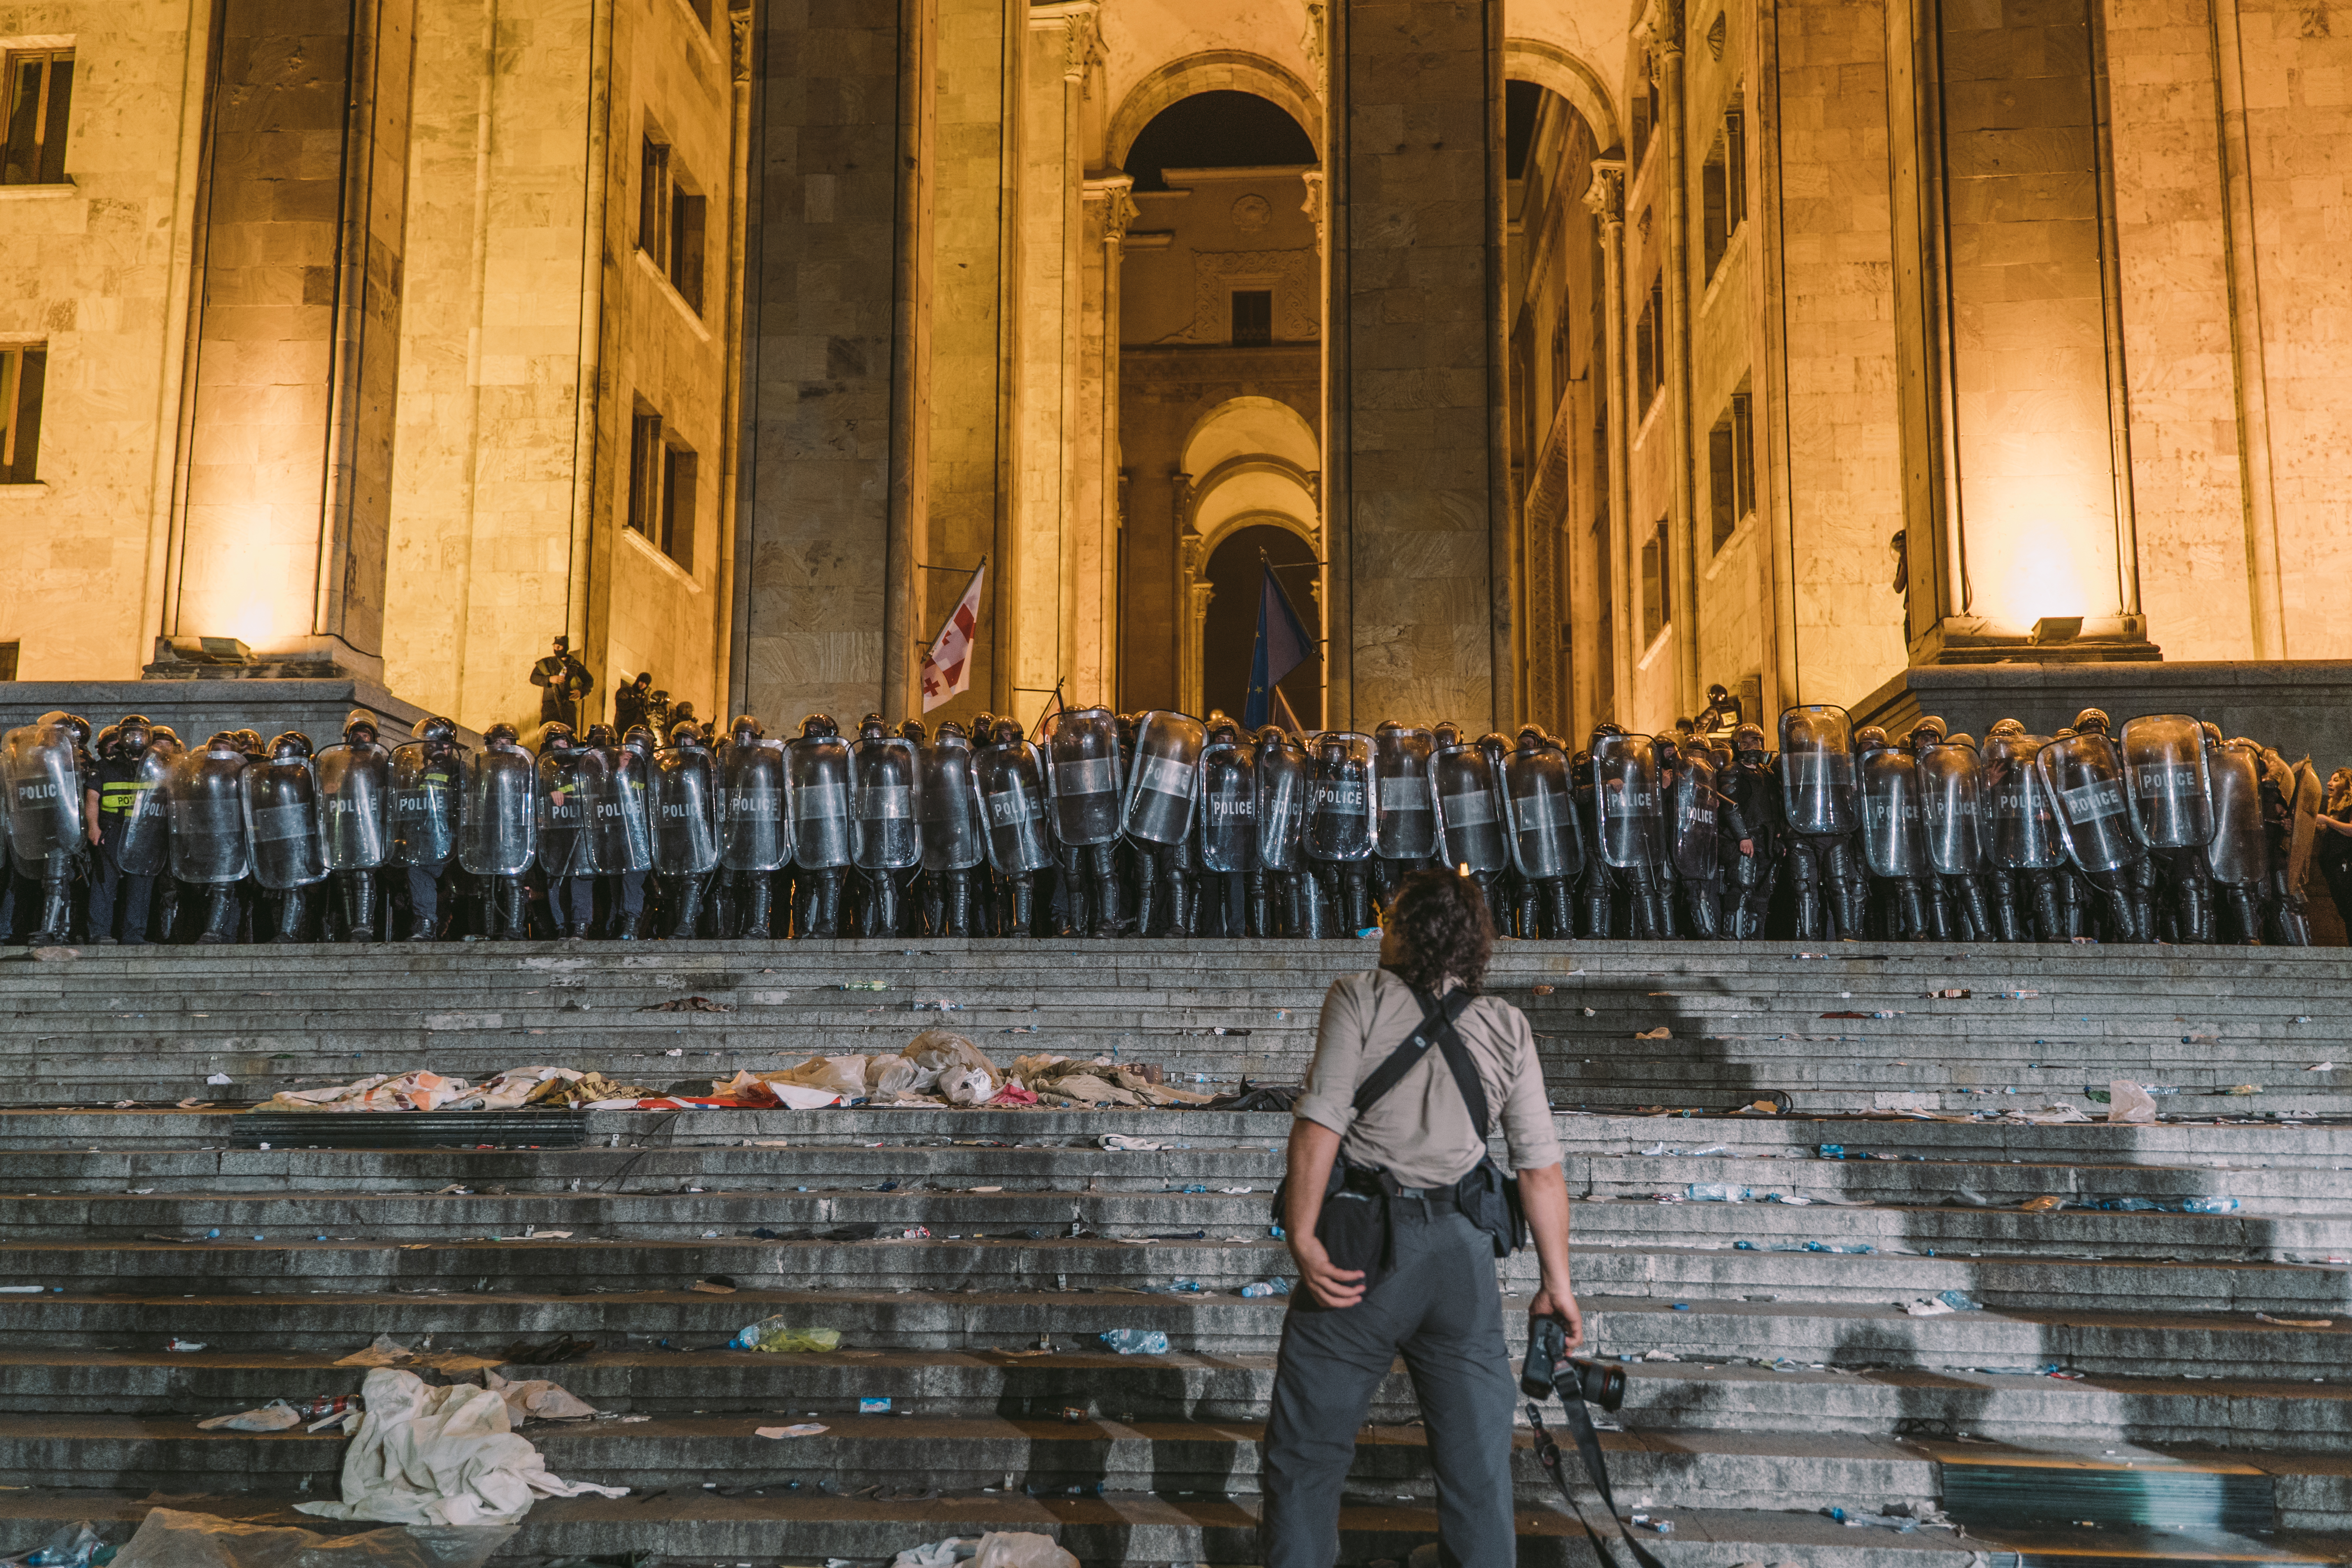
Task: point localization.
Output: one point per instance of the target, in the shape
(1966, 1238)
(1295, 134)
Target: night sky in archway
(1230, 636)
(1216, 130)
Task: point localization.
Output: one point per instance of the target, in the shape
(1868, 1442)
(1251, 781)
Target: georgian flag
(946, 668)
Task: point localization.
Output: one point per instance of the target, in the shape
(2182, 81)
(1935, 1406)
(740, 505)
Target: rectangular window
(1655, 609)
(685, 247)
(38, 97)
(1723, 192)
(652, 203)
(1731, 468)
(23, 371)
(1253, 316)
(1649, 349)
(661, 487)
(8, 651)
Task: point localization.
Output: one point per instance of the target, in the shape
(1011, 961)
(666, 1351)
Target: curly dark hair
(1443, 919)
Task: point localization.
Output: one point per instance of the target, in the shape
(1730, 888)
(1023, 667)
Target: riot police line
(1154, 824)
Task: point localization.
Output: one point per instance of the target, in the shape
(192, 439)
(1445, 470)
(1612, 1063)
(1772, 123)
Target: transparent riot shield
(563, 846)
(1690, 812)
(1469, 804)
(754, 835)
(1952, 809)
(1539, 807)
(206, 798)
(1339, 797)
(2239, 852)
(1280, 784)
(43, 775)
(1629, 820)
(883, 834)
(1084, 752)
(144, 848)
(1163, 785)
(682, 793)
(1228, 817)
(2026, 833)
(282, 822)
(1893, 838)
(816, 777)
(1011, 782)
(947, 814)
(1404, 817)
(2166, 769)
(2085, 772)
(498, 826)
(1816, 789)
(423, 805)
(355, 807)
(620, 836)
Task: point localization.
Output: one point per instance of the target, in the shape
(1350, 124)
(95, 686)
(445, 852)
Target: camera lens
(1602, 1385)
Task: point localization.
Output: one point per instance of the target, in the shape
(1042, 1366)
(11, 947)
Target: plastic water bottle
(1717, 1193)
(1267, 1287)
(2208, 1206)
(1135, 1342)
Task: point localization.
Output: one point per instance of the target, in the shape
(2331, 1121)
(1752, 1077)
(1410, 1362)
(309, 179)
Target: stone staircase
(2141, 1356)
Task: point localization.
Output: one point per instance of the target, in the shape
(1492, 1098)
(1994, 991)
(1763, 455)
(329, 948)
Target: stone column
(824, 350)
(1097, 554)
(282, 527)
(1418, 469)
(1664, 29)
(1606, 197)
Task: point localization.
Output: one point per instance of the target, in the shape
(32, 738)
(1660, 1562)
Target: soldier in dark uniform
(438, 739)
(629, 702)
(563, 681)
(1721, 713)
(1751, 834)
(121, 789)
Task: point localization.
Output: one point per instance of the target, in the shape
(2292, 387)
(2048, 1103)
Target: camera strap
(1588, 1445)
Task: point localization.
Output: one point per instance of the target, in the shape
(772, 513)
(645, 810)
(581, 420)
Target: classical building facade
(1561, 357)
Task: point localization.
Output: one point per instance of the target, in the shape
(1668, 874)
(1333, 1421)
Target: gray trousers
(1443, 1313)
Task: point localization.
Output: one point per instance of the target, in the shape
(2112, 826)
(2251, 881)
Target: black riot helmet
(224, 744)
(500, 735)
(293, 743)
(109, 744)
(817, 726)
(249, 742)
(950, 730)
(1668, 750)
(1748, 744)
(2003, 728)
(439, 735)
(77, 724)
(359, 727)
(1222, 731)
(556, 736)
(1273, 735)
(1928, 732)
(1532, 739)
(1963, 738)
(640, 740)
(684, 714)
(686, 735)
(1448, 733)
(1330, 746)
(870, 728)
(136, 733)
(1006, 733)
(1686, 727)
(912, 729)
(2091, 721)
(1870, 738)
(600, 737)
(165, 732)
(2212, 734)
(746, 728)
(1716, 695)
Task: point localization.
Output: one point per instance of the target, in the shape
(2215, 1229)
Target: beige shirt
(1421, 1132)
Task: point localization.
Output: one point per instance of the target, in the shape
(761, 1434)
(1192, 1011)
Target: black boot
(57, 915)
(1809, 911)
(686, 908)
(1358, 912)
(1106, 920)
(1916, 903)
(1310, 907)
(759, 908)
(828, 903)
(293, 912)
(953, 889)
(1022, 896)
(513, 910)
(1147, 889)
(220, 914)
(1705, 917)
(2196, 913)
(1850, 899)
(1596, 913)
(885, 906)
(2049, 917)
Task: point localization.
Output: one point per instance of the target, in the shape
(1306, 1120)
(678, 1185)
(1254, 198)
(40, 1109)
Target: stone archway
(1549, 66)
(1213, 71)
(1249, 462)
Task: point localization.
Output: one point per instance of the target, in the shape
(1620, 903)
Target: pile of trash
(937, 1068)
(554, 1089)
(1060, 1080)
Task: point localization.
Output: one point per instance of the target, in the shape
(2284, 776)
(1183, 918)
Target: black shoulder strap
(1436, 1020)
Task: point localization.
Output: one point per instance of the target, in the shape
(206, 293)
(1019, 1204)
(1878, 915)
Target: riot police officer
(1277, 899)
(1010, 776)
(1404, 819)
(424, 784)
(1338, 836)
(947, 814)
(1749, 836)
(1952, 812)
(2085, 774)
(1698, 820)
(206, 796)
(1156, 813)
(2290, 809)
(283, 822)
(125, 803)
(1547, 846)
(47, 770)
(2170, 774)
(563, 843)
(1818, 803)
(682, 805)
(817, 776)
(1083, 751)
(497, 828)
(355, 820)
(753, 844)
(1226, 836)
(1894, 842)
(885, 844)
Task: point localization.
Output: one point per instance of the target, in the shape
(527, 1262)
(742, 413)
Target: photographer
(1396, 1215)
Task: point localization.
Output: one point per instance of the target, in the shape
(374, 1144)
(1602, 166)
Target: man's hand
(1560, 1304)
(1748, 846)
(1328, 1284)
(95, 836)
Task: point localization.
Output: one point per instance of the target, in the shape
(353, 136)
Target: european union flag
(1283, 646)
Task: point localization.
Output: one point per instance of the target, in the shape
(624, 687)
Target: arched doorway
(1234, 580)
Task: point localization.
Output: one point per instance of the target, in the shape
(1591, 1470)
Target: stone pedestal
(195, 708)
(2297, 705)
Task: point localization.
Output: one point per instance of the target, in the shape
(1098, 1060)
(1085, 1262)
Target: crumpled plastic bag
(2128, 1102)
(967, 1086)
(938, 1554)
(1019, 1549)
(753, 1088)
(887, 1078)
(441, 1456)
(170, 1539)
(73, 1546)
(537, 1399)
(275, 1416)
(781, 1336)
(841, 1075)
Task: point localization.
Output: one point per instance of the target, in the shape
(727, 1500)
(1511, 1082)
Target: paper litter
(441, 1456)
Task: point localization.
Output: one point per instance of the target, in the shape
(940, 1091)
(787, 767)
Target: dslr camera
(1548, 1368)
